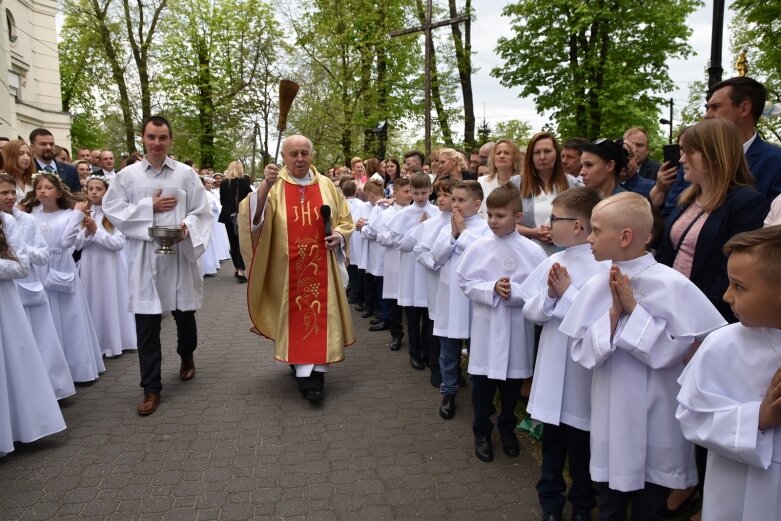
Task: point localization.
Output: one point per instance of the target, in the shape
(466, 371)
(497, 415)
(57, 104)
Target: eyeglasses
(553, 219)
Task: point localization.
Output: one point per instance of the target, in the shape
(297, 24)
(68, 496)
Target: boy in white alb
(356, 292)
(561, 390)
(625, 328)
(452, 313)
(730, 399)
(490, 273)
(412, 288)
(388, 285)
(424, 236)
(370, 251)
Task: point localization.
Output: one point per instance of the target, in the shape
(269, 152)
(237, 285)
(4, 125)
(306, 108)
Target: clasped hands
(161, 203)
(621, 291)
(558, 281)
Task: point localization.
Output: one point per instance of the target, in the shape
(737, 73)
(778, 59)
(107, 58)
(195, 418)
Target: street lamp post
(664, 121)
(715, 69)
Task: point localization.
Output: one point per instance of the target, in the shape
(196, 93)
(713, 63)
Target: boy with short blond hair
(490, 273)
(730, 399)
(625, 329)
(560, 394)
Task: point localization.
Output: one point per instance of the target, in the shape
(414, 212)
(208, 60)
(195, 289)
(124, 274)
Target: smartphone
(672, 154)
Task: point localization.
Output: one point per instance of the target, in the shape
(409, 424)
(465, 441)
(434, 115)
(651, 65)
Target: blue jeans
(449, 358)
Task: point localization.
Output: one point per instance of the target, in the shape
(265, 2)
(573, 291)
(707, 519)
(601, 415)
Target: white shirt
(634, 436)
(161, 282)
(452, 313)
(425, 235)
(412, 276)
(561, 390)
(721, 391)
(502, 341)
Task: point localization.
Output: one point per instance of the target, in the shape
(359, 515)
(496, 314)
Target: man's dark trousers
(149, 352)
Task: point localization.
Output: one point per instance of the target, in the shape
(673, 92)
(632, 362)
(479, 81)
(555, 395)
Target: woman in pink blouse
(720, 202)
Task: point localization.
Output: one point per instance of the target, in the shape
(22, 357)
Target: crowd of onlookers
(579, 275)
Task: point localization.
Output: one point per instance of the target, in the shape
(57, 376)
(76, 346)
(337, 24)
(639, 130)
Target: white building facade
(29, 71)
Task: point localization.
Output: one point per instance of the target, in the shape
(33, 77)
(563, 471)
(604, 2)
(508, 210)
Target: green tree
(104, 36)
(211, 59)
(759, 37)
(352, 74)
(599, 65)
(516, 130)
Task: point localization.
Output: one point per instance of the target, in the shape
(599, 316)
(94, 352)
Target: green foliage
(215, 60)
(753, 31)
(598, 66)
(516, 130)
(484, 133)
(86, 133)
(354, 75)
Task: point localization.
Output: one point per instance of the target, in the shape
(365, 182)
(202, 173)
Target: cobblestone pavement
(239, 442)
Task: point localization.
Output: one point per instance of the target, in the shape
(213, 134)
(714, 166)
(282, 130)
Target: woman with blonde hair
(18, 161)
(358, 172)
(503, 163)
(234, 188)
(450, 164)
(720, 202)
(542, 180)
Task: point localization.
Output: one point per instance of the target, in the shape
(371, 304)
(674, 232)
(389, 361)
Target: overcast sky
(499, 103)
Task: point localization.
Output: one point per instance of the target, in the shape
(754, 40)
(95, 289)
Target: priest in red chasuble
(295, 293)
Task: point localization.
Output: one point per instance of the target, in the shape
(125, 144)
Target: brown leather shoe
(187, 371)
(149, 404)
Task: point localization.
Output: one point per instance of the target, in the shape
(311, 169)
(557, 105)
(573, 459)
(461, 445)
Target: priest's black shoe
(552, 516)
(448, 407)
(374, 321)
(510, 445)
(359, 307)
(395, 343)
(380, 326)
(417, 364)
(368, 313)
(313, 395)
(483, 449)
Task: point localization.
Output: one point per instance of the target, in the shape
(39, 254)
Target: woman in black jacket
(720, 203)
(234, 188)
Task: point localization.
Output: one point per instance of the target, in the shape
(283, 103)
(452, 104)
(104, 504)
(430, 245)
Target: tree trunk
(205, 105)
(117, 72)
(463, 47)
(436, 97)
(139, 45)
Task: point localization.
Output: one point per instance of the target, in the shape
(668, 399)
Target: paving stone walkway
(238, 442)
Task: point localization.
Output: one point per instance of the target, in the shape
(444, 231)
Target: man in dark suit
(741, 100)
(42, 143)
(107, 165)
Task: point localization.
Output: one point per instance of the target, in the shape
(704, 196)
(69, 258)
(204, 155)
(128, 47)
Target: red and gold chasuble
(307, 274)
(295, 294)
